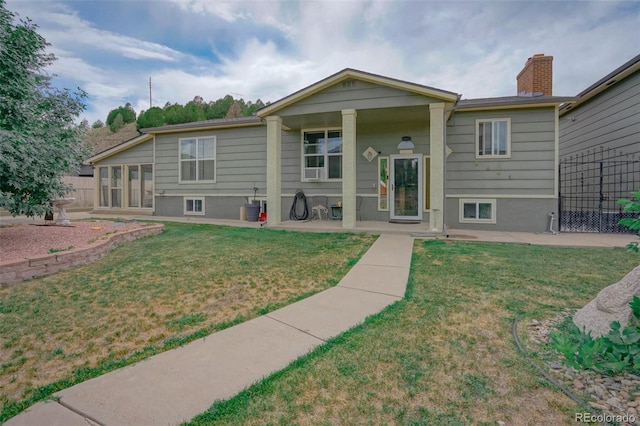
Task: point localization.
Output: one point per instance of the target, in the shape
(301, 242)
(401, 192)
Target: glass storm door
(406, 187)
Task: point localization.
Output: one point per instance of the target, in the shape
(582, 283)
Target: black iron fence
(591, 183)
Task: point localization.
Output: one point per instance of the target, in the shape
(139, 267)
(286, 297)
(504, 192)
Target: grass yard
(154, 294)
(444, 355)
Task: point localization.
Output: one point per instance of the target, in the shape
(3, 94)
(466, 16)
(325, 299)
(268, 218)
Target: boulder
(611, 304)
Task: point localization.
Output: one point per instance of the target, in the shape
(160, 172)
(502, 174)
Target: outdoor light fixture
(406, 143)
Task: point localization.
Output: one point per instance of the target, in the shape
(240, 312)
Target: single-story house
(382, 148)
(600, 151)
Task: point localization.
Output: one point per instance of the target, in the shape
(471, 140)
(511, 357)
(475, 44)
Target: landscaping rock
(611, 304)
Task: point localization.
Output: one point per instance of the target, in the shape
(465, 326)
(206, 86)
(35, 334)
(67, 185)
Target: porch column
(274, 170)
(437, 152)
(349, 168)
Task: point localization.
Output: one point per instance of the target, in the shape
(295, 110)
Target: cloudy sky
(269, 49)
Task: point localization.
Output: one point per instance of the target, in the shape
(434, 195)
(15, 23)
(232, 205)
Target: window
(322, 154)
(104, 186)
(116, 186)
(140, 186)
(477, 211)
(194, 206)
(493, 138)
(198, 159)
(126, 186)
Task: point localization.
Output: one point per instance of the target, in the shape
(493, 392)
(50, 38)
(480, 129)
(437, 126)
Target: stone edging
(14, 271)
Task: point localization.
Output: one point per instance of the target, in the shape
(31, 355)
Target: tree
(98, 124)
(153, 117)
(127, 112)
(117, 123)
(39, 141)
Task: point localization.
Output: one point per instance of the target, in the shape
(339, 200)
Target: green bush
(630, 222)
(616, 351)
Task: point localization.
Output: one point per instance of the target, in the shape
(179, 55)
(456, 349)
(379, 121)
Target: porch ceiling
(365, 116)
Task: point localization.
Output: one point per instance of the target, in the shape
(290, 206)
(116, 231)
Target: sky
(269, 49)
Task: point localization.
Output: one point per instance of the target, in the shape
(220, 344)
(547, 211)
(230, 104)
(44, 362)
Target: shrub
(616, 351)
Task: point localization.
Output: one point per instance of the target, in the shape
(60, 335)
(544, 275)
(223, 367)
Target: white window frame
(193, 212)
(197, 159)
(141, 188)
(326, 155)
(493, 154)
(477, 202)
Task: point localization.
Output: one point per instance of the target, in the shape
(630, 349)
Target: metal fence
(591, 183)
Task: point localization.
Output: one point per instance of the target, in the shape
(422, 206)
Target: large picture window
(198, 159)
(493, 138)
(321, 154)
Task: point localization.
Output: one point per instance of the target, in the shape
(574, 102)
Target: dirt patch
(26, 241)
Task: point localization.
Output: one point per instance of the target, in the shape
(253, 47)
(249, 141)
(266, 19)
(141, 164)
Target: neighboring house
(388, 150)
(600, 151)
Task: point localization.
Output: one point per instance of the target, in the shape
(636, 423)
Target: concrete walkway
(179, 384)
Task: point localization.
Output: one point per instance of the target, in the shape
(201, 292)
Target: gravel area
(615, 396)
(24, 241)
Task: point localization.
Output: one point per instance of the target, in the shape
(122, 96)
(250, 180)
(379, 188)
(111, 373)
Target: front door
(405, 179)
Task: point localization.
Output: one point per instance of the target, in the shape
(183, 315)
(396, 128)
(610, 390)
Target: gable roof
(215, 123)
(350, 73)
(620, 73)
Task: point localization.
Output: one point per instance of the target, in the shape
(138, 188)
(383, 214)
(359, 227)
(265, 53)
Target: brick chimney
(536, 78)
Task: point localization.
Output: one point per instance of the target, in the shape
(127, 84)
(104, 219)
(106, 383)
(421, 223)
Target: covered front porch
(377, 126)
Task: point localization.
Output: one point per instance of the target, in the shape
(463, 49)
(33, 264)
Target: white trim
(326, 155)
(477, 144)
(194, 212)
(215, 160)
(476, 201)
(502, 196)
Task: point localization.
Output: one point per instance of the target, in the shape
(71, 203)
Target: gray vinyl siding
(139, 154)
(383, 137)
(610, 120)
(241, 162)
(530, 171)
(517, 214)
(355, 94)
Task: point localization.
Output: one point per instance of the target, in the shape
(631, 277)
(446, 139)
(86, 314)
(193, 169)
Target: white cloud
(269, 49)
(225, 10)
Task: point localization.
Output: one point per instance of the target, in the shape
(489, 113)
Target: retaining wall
(14, 271)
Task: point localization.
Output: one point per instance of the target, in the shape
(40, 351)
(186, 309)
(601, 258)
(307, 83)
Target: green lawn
(444, 355)
(154, 294)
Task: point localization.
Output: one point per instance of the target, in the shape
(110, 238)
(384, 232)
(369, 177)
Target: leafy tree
(117, 123)
(153, 117)
(174, 114)
(219, 108)
(127, 112)
(98, 124)
(193, 112)
(39, 141)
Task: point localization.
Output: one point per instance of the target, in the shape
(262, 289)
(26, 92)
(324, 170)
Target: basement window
(194, 206)
(477, 211)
